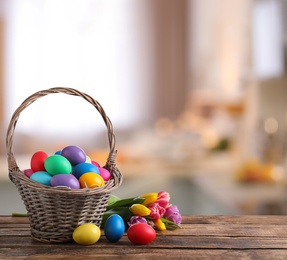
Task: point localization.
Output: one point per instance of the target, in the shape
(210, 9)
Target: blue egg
(114, 228)
(82, 168)
(41, 177)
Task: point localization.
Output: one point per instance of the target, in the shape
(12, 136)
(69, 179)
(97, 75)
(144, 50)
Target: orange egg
(91, 180)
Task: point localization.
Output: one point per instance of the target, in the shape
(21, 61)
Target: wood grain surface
(201, 237)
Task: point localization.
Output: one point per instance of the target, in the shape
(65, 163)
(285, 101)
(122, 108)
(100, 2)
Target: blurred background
(195, 89)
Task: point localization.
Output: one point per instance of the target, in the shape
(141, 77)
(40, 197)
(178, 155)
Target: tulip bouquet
(151, 208)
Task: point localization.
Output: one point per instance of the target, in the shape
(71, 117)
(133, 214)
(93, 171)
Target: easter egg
(106, 175)
(82, 168)
(57, 164)
(41, 177)
(114, 228)
(91, 180)
(28, 172)
(74, 154)
(37, 161)
(95, 163)
(88, 159)
(141, 234)
(87, 234)
(68, 180)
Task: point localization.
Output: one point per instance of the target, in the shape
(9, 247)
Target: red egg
(37, 161)
(141, 234)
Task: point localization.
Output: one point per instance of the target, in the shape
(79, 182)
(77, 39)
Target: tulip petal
(140, 210)
(149, 198)
(159, 225)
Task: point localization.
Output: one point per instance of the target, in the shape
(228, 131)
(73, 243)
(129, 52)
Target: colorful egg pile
(69, 167)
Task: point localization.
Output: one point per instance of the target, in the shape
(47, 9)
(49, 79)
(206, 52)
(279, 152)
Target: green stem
(172, 225)
(17, 214)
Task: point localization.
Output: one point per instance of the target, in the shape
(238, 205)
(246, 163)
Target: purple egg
(68, 180)
(74, 154)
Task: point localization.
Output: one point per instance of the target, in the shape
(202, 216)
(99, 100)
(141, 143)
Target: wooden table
(201, 237)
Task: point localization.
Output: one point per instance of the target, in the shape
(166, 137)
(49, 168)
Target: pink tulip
(163, 199)
(156, 211)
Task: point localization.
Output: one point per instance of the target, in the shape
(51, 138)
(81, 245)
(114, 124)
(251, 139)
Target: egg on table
(87, 234)
(114, 228)
(141, 234)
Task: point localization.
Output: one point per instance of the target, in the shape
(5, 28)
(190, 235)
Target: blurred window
(268, 38)
(90, 45)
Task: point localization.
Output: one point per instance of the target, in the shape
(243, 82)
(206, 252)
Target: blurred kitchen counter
(203, 186)
(215, 178)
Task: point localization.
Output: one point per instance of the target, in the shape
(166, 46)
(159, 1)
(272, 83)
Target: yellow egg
(87, 234)
(91, 180)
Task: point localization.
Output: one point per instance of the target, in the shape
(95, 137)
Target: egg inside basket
(54, 212)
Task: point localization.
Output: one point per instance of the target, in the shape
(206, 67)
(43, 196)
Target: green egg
(57, 164)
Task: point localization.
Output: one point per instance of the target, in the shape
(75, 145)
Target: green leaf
(125, 202)
(113, 199)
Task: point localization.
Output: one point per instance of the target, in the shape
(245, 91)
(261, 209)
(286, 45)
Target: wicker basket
(53, 212)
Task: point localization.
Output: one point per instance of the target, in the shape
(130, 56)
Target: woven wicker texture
(54, 213)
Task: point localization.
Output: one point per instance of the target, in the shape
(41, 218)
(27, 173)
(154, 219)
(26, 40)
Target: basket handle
(12, 164)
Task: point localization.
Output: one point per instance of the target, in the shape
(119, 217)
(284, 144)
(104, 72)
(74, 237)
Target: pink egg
(95, 163)
(104, 173)
(28, 172)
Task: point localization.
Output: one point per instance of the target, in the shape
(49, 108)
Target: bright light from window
(88, 45)
(268, 51)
